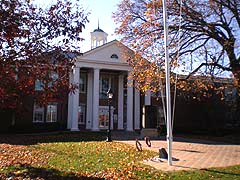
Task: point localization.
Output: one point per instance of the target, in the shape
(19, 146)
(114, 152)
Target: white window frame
(41, 110)
(37, 109)
(53, 117)
(83, 83)
(82, 113)
(38, 85)
(103, 91)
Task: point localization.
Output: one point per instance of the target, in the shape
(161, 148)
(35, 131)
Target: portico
(94, 72)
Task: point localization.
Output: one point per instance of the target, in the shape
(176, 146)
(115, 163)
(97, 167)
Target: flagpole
(168, 95)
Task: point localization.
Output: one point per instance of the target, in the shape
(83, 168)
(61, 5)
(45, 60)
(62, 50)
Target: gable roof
(107, 45)
(113, 54)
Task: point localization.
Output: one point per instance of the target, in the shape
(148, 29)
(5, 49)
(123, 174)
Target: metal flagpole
(168, 95)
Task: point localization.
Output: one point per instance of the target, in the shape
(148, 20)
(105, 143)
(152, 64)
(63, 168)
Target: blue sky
(102, 10)
(99, 9)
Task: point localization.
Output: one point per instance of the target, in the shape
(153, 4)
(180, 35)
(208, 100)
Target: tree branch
(209, 64)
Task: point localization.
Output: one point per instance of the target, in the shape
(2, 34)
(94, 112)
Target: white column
(120, 102)
(75, 99)
(147, 98)
(70, 101)
(89, 101)
(95, 126)
(129, 105)
(137, 109)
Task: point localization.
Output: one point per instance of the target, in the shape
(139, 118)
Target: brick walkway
(193, 154)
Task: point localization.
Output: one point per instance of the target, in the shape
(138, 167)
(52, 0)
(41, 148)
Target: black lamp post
(110, 96)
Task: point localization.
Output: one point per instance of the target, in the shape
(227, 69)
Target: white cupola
(98, 37)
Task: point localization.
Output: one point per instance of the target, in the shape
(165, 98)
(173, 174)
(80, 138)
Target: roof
(100, 46)
(101, 57)
(98, 30)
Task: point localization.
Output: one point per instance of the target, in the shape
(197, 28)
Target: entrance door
(151, 116)
(104, 117)
(154, 116)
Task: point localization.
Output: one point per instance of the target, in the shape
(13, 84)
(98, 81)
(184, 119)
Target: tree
(204, 37)
(35, 45)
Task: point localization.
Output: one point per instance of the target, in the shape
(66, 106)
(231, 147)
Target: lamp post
(110, 96)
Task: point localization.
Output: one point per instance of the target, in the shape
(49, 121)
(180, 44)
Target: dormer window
(114, 56)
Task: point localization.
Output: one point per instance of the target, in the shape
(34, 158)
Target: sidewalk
(189, 154)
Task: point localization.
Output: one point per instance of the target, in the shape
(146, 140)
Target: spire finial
(98, 23)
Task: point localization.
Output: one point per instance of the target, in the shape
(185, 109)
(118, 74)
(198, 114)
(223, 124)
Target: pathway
(193, 154)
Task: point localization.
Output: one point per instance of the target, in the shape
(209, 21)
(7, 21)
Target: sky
(100, 10)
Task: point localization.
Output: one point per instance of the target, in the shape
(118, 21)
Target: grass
(86, 156)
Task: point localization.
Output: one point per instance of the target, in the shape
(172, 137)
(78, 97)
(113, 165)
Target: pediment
(113, 51)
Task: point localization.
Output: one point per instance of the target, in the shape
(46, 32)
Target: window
(82, 83)
(81, 114)
(103, 116)
(105, 83)
(114, 56)
(51, 113)
(54, 77)
(38, 113)
(38, 85)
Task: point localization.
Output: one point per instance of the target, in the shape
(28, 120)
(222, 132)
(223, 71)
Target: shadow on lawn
(67, 136)
(28, 172)
(30, 139)
(221, 172)
(64, 136)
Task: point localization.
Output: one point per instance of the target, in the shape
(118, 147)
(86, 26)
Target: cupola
(98, 37)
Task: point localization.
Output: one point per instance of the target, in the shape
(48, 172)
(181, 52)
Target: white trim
(88, 63)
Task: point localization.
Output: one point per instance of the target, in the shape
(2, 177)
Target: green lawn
(85, 156)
